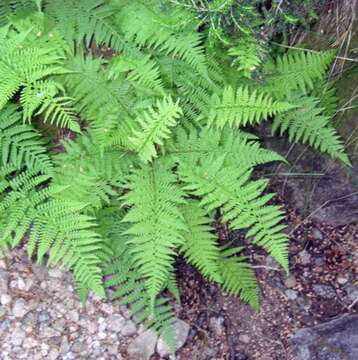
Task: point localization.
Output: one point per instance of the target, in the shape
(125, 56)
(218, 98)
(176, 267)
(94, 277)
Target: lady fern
(161, 145)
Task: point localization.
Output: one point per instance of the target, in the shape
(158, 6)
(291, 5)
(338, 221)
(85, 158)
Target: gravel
(41, 317)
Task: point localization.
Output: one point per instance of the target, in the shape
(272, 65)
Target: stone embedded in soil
(324, 291)
(342, 280)
(244, 338)
(5, 299)
(181, 329)
(217, 325)
(333, 198)
(291, 294)
(143, 346)
(116, 323)
(316, 234)
(333, 340)
(4, 279)
(305, 257)
(129, 328)
(19, 309)
(17, 337)
(290, 282)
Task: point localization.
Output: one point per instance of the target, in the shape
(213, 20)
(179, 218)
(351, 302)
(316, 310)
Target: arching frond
(241, 107)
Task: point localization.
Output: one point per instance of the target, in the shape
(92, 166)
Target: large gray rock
(317, 186)
(143, 346)
(333, 340)
(181, 329)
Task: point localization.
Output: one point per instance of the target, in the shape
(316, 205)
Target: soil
(320, 286)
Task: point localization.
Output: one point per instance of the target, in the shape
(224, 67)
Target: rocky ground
(42, 318)
(303, 316)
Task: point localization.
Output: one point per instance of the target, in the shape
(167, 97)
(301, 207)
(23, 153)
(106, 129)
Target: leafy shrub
(160, 146)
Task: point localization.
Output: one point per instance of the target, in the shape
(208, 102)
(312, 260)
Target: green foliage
(238, 278)
(296, 70)
(240, 108)
(241, 202)
(201, 246)
(157, 223)
(123, 275)
(21, 144)
(158, 115)
(154, 128)
(309, 125)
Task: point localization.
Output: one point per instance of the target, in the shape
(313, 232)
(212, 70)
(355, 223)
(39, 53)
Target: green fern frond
(200, 247)
(240, 149)
(103, 108)
(241, 201)
(155, 126)
(59, 111)
(123, 276)
(22, 66)
(296, 70)
(247, 55)
(19, 199)
(325, 92)
(142, 72)
(86, 21)
(92, 176)
(146, 25)
(156, 222)
(70, 240)
(9, 8)
(238, 278)
(21, 144)
(241, 107)
(43, 96)
(308, 125)
(56, 228)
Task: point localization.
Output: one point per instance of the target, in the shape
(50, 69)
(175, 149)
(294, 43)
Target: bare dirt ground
(320, 286)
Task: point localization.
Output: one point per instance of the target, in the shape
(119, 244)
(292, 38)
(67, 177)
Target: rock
(19, 309)
(316, 234)
(244, 338)
(181, 329)
(53, 355)
(17, 337)
(342, 280)
(129, 328)
(352, 292)
(143, 346)
(2, 312)
(101, 335)
(305, 257)
(78, 347)
(324, 291)
(116, 323)
(319, 261)
(291, 294)
(3, 264)
(73, 315)
(40, 272)
(43, 316)
(333, 340)
(290, 282)
(21, 283)
(333, 198)
(55, 273)
(29, 343)
(217, 325)
(5, 299)
(271, 262)
(240, 356)
(4, 280)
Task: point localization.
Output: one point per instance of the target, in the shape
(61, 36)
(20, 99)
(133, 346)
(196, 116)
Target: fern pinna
(159, 145)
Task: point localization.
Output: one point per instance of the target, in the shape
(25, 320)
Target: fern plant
(160, 146)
